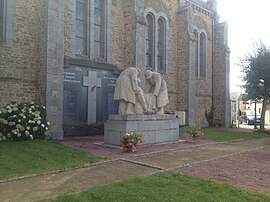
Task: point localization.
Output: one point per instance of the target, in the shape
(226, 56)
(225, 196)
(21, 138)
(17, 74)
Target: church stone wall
(221, 79)
(69, 28)
(123, 39)
(203, 86)
(21, 60)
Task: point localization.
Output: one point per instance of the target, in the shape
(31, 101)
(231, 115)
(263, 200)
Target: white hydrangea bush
(23, 121)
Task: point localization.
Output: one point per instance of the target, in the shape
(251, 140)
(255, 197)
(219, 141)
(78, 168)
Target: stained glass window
(99, 29)
(81, 27)
(196, 48)
(149, 40)
(203, 55)
(161, 44)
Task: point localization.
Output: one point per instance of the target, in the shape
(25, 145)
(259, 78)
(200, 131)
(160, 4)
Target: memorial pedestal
(157, 128)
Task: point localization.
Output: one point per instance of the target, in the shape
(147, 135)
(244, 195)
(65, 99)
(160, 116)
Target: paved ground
(177, 157)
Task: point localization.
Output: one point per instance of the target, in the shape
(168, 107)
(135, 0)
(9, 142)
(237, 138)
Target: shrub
(195, 132)
(23, 121)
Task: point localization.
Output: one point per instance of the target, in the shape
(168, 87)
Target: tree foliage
(256, 69)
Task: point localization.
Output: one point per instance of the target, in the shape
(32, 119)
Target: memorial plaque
(74, 97)
(107, 105)
(85, 88)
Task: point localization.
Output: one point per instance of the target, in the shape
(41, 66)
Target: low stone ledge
(140, 117)
(153, 131)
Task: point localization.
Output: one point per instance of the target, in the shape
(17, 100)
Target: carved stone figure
(157, 85)
(140, 103)
(127, 91)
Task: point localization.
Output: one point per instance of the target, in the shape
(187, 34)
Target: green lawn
(221, 134)
(32, 157)
(166, 186)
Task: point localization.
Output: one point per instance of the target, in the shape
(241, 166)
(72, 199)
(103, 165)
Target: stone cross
(92, 82)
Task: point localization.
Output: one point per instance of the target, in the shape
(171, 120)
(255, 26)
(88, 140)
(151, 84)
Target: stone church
(67, 55)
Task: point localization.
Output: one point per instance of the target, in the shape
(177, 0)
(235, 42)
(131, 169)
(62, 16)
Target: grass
(221, 134)
(33, 157)
(166, 186)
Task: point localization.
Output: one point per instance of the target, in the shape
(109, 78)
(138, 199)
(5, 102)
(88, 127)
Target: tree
(256, 69)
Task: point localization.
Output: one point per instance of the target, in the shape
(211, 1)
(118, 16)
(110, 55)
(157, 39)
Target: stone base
(155, 128)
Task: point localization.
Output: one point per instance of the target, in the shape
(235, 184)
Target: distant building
(238, 105)
(67, 54)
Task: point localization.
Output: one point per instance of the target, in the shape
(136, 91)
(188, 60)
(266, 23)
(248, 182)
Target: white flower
(19, 120)
(27, 133)
(39, 122)
(14, 116)
(46, 128)
(44, 107)
(28, 128)
(24, 117)
(31, 137)
(35, 128)
(0, 112)
(48, 123)
(42, 125)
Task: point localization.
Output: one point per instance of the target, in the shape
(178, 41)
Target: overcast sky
(248, 22)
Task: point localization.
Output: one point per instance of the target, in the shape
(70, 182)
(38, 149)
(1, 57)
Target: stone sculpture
(157, 86)
(127, 91)
(131, 97)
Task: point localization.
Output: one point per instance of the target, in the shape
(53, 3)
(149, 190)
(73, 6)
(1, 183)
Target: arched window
(99, 29)
(81, 27)
(150, 41)
(161, 44)
(196, 48)
(203, 55)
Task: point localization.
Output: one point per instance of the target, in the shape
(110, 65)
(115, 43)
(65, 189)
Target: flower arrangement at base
(131, 142)
(23, 121)
(195, 132)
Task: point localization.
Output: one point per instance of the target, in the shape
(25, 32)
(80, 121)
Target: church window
(196, 53)
(99, 29)
(200, 54)
(92, 28)
(203, 55)
(150, 41)
(156, 32)
(81, 27)
(161, 44)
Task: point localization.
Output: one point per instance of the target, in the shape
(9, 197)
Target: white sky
(248, 22)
